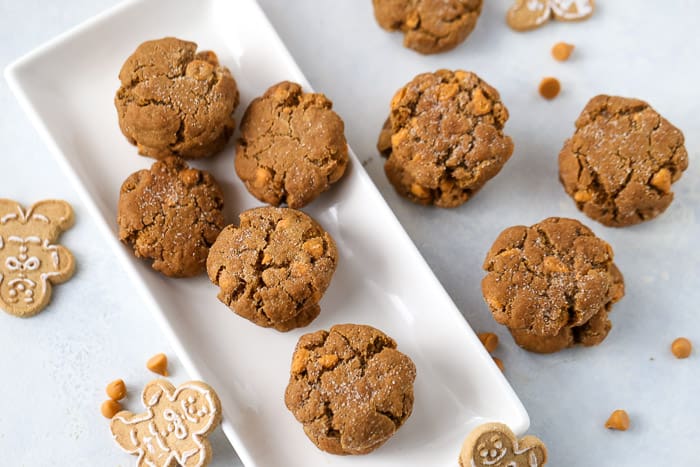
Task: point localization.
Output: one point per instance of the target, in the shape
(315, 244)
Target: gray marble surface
(53, 368)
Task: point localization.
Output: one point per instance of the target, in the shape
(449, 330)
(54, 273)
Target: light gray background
(53, 368)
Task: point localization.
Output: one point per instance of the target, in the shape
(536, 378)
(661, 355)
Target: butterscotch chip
(355, 390)
(110, 408)
(174, 101)
(489, 340)
(552, 284)
(444, 149)
(428, 26)
(499, 364)
(292, 146)
(618, 420)
(626, 156)
(549, 87)
(681, 347)
(116, 390)
(283, 290)
(562, 51)
(158, 364)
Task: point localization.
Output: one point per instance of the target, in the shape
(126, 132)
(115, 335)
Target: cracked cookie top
(429, 26)
(621, 161)
(444, 137)
(350, 388)
(292, 146)
(171, 214)
(549, 278)
(274, 267)
(174, 101)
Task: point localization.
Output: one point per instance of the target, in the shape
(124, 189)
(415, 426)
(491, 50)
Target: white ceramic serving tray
(67, 88)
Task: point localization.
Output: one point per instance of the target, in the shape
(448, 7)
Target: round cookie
(429, 26)
(274, 267)
(174, 101)
(552, 284)
(292, 146)
(171, 214)
(350, 388)
(621, 161)
(444, 138)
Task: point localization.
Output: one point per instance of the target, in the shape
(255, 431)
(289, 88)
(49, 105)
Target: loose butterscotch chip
(116, 390)
(549, 87)
(619, 420)
(562, 51)
(158, 364)
(499, 364)
(110, 408)
(681, 347)
(489, 340)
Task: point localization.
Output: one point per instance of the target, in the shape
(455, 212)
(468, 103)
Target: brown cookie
(524, 15)
(444, 137)
(429, 26)
(175, 101)
(495, 445)
(171, 214)
(274, 267)
(552, 284)
(292, 146)
(350, 388)
(621, 161)
(572, 10)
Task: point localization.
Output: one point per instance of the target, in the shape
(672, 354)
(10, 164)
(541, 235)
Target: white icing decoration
(154, 400)
(41, 217)
(561, 8)
(534, 5)
(132, 435)
(2, 243)
(8, 217)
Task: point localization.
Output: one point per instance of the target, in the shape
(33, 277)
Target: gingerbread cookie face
(274, 267)
(30, 262)
(571, 10)
(444, 138)
(621, 161)
(429, 26)
(174, 428)
(552, 284)
(292, 146)
(530, 14)
(350, 388)
(174, 101)
(495, 445)
(171, 214)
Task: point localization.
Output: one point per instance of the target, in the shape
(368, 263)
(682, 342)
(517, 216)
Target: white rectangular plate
(67, 88)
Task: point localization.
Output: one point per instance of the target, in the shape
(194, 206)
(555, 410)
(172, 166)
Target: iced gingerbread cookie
(30, 262)
(495, 445)
(174, 428)
(530, 14)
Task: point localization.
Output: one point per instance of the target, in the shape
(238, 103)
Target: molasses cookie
(274, 267)
(350, 388)
(429, 26)
(621, 161)
(292, 146)
(552, 284)
(171, 213)
(175, 101)
(444, 137)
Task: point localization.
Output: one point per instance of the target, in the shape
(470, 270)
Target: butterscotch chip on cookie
(350, 388)
(621, 161)
(552, 284)
(171, 214)
(292, 146)
(444, 137)
(274, 267)
(174, 101)
(429, 26)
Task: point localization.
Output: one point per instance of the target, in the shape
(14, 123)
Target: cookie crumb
(489, 340)
(116, 390)
(618, 420)
(158, 364)
(549, 87)
(499, 364)
(562, 51)
(681, 347)
(110, 408)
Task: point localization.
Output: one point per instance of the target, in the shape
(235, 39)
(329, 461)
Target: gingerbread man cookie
(495, 445)
(29, 261)
(530, 14)
(173, 430)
